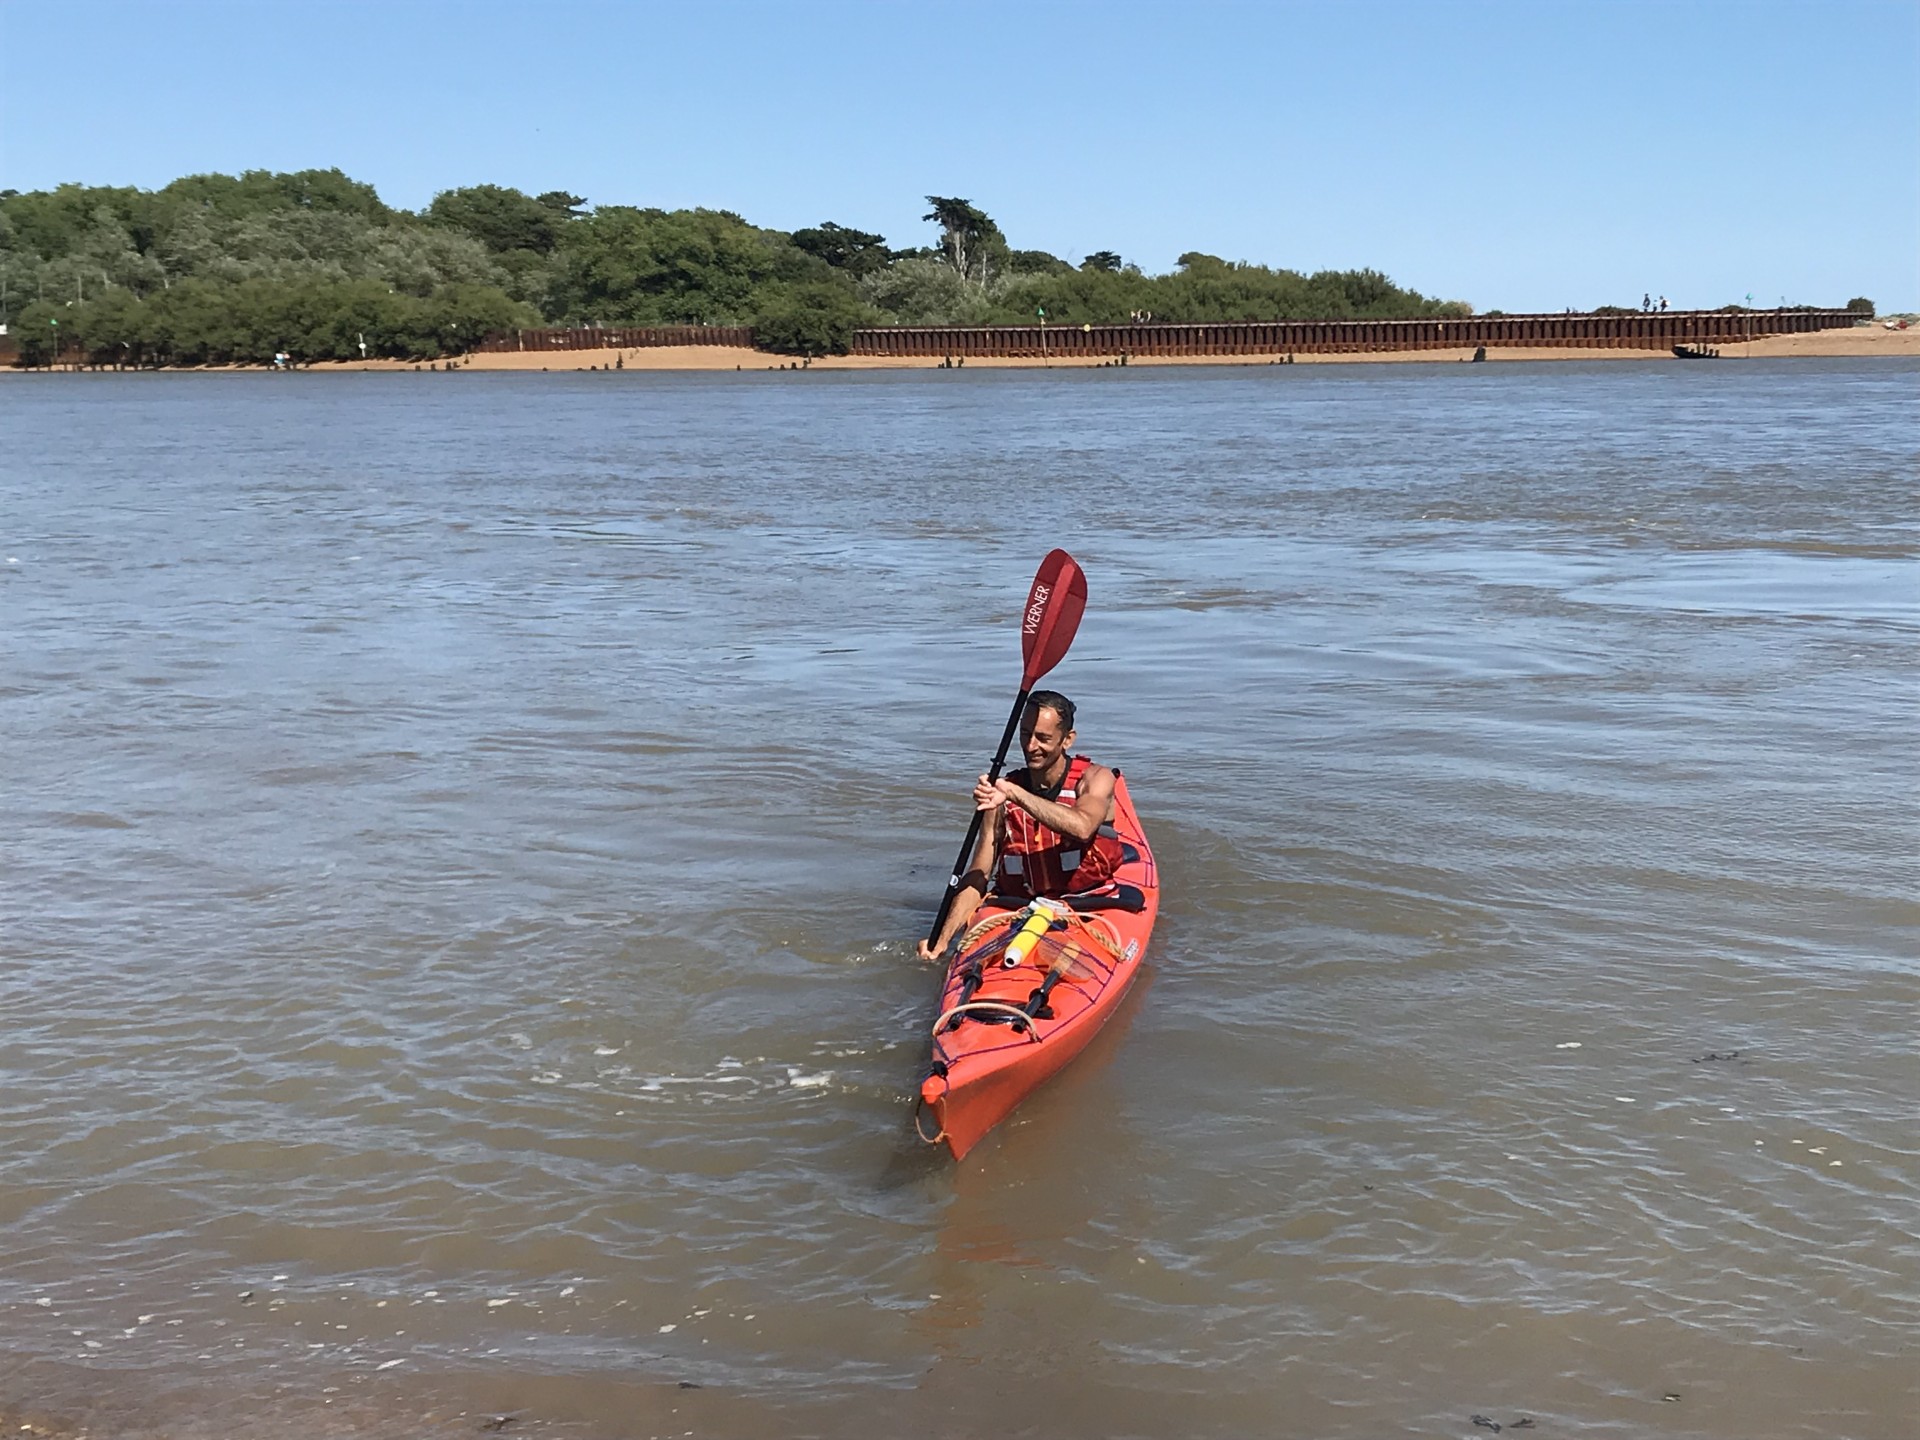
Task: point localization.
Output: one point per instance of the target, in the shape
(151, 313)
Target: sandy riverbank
(1859, 341)
(1863, 340)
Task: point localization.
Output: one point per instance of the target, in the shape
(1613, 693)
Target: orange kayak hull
(988, 1054)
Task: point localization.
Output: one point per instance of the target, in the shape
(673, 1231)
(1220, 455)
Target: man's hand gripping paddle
(1054, 607)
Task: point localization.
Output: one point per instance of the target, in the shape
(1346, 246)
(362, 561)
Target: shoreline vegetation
(313, 270)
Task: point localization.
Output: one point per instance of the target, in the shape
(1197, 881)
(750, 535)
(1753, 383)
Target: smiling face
(1046, 740)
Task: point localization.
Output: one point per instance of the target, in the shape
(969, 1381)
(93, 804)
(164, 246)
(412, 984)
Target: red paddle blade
(1054, 607)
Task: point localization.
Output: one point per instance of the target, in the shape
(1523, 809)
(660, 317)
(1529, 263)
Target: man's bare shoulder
(1095, 775)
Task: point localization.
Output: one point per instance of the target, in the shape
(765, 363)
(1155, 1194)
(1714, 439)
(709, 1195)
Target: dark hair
(1053, 700)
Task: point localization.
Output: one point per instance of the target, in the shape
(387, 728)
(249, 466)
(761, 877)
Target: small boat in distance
(1696, 352)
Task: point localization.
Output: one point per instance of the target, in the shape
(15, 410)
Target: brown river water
(465, 837)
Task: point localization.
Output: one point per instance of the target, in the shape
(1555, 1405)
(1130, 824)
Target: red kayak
(1032, 982)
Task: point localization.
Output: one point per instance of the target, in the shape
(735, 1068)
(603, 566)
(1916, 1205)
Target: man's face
(1042, 738)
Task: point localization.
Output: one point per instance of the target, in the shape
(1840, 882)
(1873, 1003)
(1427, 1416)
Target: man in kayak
(1050, 826)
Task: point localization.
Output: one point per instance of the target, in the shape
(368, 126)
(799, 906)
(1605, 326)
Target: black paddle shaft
(973, 830)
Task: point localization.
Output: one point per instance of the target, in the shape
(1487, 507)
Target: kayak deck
(1003, 1029)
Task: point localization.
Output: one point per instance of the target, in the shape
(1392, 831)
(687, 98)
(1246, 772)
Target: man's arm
(1092, 803)
(972, 888)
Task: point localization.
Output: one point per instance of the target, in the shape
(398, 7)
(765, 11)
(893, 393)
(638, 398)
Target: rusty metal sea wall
(1337, 337)
(609, 337)
(1156, 339)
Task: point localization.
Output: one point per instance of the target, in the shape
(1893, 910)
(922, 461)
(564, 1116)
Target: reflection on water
(467, 841)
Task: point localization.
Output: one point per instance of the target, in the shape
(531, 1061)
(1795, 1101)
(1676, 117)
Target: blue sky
(1517, 156)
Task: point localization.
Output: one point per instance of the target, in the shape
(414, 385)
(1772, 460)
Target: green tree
(855, 251)
(502, 219)
(812, 319)
(37, 328)
(190, 323)
(1860, 305)
(255, 192)
(111, 328)
(232, 267)
(286, 244)
(969, 239)
(1363, 293)
(458, 317)
(1073, 297)
(1035, 262)
(335, 317)
(928, 292)
(51, 223)
(657, 267)
(421, 260)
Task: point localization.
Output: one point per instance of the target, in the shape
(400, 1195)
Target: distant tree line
(222, 268)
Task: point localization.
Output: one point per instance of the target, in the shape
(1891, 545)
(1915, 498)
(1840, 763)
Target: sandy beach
(1874, 340)
(1862, 340)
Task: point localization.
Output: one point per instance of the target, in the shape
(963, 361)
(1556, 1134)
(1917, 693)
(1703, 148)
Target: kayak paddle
(1054, 607)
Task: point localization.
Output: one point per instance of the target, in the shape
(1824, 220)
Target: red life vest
(1036, 860)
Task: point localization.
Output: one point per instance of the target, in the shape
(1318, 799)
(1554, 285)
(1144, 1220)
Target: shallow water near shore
(466, 836)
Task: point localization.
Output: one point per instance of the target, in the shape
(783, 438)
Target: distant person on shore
(1663, 304)
(1646, 301)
